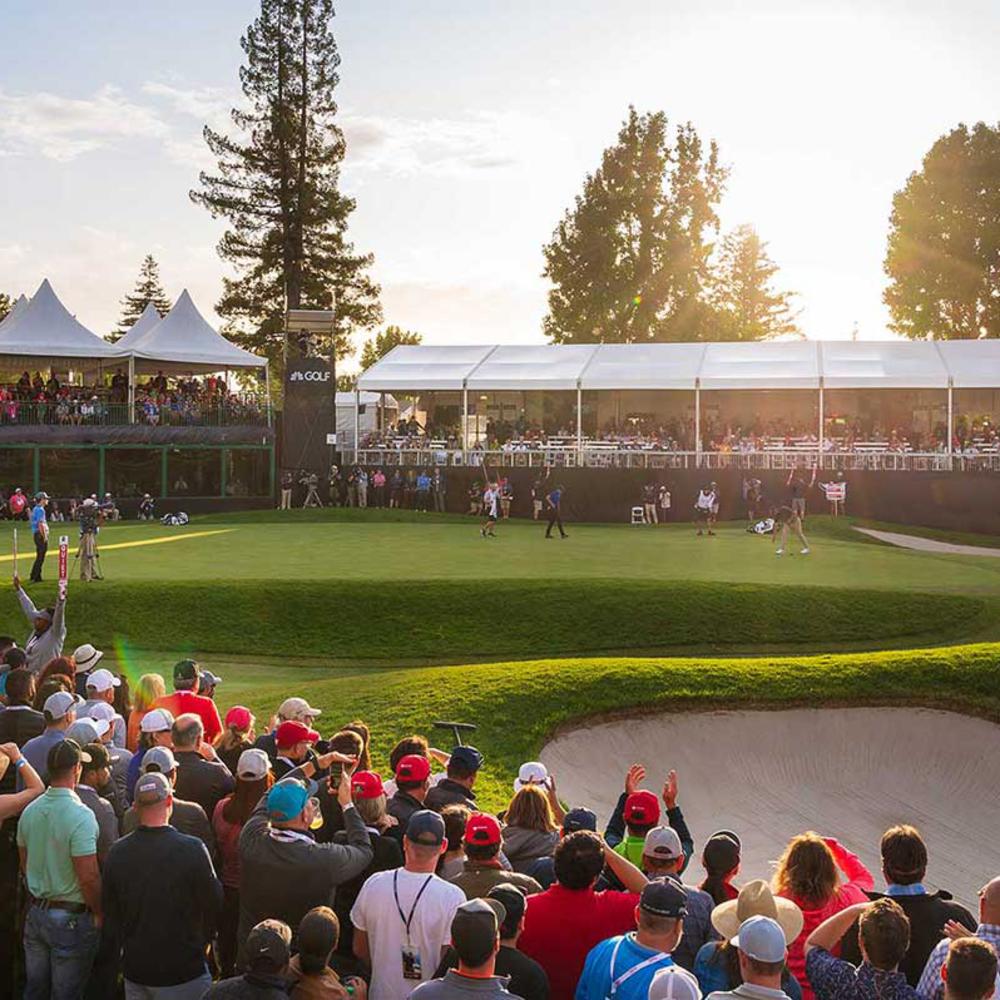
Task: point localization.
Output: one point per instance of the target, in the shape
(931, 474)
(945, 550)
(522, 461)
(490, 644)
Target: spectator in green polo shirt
(57, 840)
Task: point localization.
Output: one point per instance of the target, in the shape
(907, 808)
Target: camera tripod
(89, 556)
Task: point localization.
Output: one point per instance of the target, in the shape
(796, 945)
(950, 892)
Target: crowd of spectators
(413, 489)
(156, 847)
(158, 400)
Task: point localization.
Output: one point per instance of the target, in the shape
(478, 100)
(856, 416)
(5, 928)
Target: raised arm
(851, 865)
(834, 928)
(13, 805)
(27, 606)
(626, 872)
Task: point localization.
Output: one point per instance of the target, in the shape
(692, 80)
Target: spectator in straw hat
(717, 965)
(290, 710)
(86, 657)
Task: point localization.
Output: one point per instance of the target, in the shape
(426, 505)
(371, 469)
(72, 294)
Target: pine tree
(747, 305)
(147, 289)
(629, 262)
(382, 343)
(277, 187)
(6, 304)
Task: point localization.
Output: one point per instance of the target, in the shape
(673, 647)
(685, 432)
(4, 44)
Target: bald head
(989, 902)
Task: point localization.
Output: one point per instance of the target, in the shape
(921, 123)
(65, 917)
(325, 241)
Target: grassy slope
(517, 706)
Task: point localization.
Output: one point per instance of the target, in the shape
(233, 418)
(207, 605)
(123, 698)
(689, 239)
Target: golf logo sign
(309, 376)
(309, 414)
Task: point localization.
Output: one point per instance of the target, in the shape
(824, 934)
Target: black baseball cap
(468, 757)
(580, 819)
(721, 852)
(426, 827)
(664, 897)
(269, 946)
(186, 670)
(99, 757)
(514, 902)
(474, 929)
(66, 754)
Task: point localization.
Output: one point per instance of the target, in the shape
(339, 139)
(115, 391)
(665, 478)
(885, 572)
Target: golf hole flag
(63, 565)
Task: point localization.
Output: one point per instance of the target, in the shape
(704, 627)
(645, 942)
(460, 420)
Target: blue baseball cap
(468, 757)
(580, 819)
(288, 798)
(761, 938)
(425, 827)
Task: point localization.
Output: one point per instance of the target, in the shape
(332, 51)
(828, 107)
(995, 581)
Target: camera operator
(91, 517)
(311, 482)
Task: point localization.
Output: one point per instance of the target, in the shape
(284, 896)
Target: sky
(470, 127)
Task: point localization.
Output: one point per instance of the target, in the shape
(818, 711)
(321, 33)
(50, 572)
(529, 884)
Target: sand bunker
(848, 773)
(929, 544)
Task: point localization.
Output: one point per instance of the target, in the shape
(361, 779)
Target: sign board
(331, 439)
(309, 415)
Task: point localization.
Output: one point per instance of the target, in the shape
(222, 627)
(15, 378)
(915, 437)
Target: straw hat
(757, 900)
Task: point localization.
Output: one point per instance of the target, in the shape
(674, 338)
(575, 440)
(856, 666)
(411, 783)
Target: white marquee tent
(44, 328)
(149, 317)
(19, 306)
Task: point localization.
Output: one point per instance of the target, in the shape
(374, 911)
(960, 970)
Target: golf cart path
(928, 544)
(848, 773)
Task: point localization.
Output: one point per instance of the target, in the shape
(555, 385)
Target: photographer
(311, 482)
(91, 517)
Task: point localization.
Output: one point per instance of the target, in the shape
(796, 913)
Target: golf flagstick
(63, 565)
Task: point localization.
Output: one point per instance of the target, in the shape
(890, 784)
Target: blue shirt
(597, 976)
(554, 497)
(423, 482)
(36, 752)
(834, 979)
(37, 516)
(713, 975)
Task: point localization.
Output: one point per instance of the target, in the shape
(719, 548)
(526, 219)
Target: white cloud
(64, 128)
(210, 105)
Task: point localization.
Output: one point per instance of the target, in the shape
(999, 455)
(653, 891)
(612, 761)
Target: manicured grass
(519, 705)
(392, 622)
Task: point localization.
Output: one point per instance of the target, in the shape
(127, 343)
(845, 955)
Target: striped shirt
(931, 985)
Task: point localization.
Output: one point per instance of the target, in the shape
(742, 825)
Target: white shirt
(375, 912)
(706, 501)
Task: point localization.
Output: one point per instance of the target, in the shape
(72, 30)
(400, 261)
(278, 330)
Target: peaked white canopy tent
(767, 365)
(44, 328)
(149, 317)
(19, 306)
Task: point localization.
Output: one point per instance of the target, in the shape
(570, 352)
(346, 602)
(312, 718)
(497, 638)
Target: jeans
(193, 990)
(59, 949)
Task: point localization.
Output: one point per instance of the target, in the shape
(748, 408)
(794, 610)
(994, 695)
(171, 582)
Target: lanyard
(628, 974)
(413, 909)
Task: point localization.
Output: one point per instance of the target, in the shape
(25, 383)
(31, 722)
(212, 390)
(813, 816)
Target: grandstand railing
(612, 458)
(237, 412)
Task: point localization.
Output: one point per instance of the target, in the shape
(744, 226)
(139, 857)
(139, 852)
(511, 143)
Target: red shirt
(562, 925)
(182, 702)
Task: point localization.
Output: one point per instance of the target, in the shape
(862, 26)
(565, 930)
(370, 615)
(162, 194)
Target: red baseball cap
(290, 733)
(239, 717)
(366, 785)
(482, 830)
(413, 767)
(642, 809)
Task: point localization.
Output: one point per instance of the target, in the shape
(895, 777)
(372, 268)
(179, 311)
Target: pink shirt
(854, 890)
(227, 838)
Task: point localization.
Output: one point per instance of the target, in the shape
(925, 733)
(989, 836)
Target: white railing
(603, 457)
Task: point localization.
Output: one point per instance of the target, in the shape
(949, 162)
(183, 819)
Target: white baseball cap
(673, 983)
(297, 709)
(102, 711)
(102, 680)
(58, 704)
(162, 758)
(252, 765)
(534, 772)
(761, 938)
(158, 720)
(86, 656)
(87, 730)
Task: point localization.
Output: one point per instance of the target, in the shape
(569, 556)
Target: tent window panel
(69, 472)
(248, 472)
(130, 472)
(16, 469)
(194, 472)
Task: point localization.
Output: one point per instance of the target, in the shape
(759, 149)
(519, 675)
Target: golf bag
(764, 527)
(174, 520)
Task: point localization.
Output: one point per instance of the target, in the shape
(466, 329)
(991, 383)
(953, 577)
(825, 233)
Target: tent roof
(794, 364)
(776, 364)
(19, 306)
(883, 364)
(972, 364)
(414, 367)
(366, 399)
(147, 320)
(541, 366)
(644, 366)
(45, 329)
(183, 341)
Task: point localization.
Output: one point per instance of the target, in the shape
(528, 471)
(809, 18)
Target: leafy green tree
(943, 257)
(6, 304)
(147, 289)
(382, 343)
(277, 186)
(629, 263)
(747, 306)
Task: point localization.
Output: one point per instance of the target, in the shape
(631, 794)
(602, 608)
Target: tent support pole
(131, 388)
(381, 413)
(357, 423)
(822, 425)
(951, 424)
(465, 423)
(579, 424)
(267, 391)
(697, 423)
